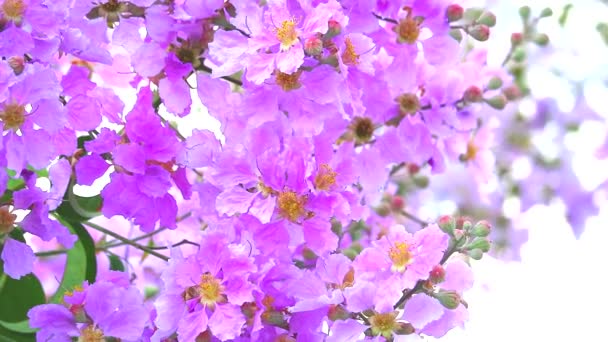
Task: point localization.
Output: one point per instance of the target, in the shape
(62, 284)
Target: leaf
(115, 263)
(7, 335)
(81, 261)
(18, 297)
(76, 208)
(22, 327)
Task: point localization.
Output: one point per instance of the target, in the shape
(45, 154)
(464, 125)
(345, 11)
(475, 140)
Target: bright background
(558, 290)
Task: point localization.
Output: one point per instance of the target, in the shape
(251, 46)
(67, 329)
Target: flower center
(211, 290)
(7, 220)
(408, 29)
(111, 6)
(471, 151)
(91, 334)
(286, 34)
(363, 129)
(383, 324)
(325, 178)
(291, 206)
(400, 256)
(13, 116)
(349, 56)
(408, 103)
(288, 81)
(13, 9)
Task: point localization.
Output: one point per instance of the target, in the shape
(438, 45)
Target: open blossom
(205, 291)
(108, 308)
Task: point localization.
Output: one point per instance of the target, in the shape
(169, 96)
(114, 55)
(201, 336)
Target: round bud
(421, 181)
(487, 18)
(481, 229)
(473, 94)
(313, 46)
(547, 12)
(437, 274)
(456, 34)
(337, 312)
(512, 92)
(449, 299)
(541, 39)
(404, 328)
(519, 55)
(447, 224)
(333, 29)
(479, 243)
(454, 12)
(397, 203)
(494, 83)
(475, 254)
(480, 32)
(497, 102)
(517, 38)
(524, 12)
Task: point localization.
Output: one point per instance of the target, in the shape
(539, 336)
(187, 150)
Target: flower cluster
(281, 224)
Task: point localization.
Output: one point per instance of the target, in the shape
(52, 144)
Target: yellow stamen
(13, 116)
(325, 178)
(291, 206)
(13, 9)
(400, 256)
(286, 34)
(211, 290)
(91, 334)
(349, 56)
(288, 81)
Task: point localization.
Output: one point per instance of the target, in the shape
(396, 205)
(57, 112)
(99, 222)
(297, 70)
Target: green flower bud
(547, 12)
(338, 312)
(456, 34)
(472, 14)
(541, 39)
(449, 299)
(495, 83)
(479, 243)
(480, 32)
(487, 18)
(481, 229)
(475, 254)
(524, 12)
(447, 224)
(497, 102)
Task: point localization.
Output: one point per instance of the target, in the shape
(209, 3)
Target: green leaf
(115, 263)
(22, 327)
(7, 335)
(564, 16)
(18, 296)
(81, 261)
(79, 209)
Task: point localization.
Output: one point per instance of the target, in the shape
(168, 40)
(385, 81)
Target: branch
(125, 240)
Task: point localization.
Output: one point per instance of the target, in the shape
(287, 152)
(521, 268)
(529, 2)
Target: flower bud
(497, 102)
(397, 203)
(547, 12)
(449, 299)
(333, 29)
(475, 254)
(17, 63)
(479, 243)
(421, 181)
(459, 237)
(473, 94)
(337, 312)
(437, 274)
(541, 39)
(383, 210)
(472, 14)
(454, 12)
(456, 34)
(481, 229)
(274, 318)
(466, 225)
(447, 224)
(524, 12)
(313, 46)
(480, 32)
(512, 92)
(403, 328)
(517, 38)
(487, 18)
(494, 83)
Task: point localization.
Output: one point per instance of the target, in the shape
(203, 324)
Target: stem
(227, 78)
(125, 240)
(390, 20)
(183, 242)
(421, 222)
(408, 294)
